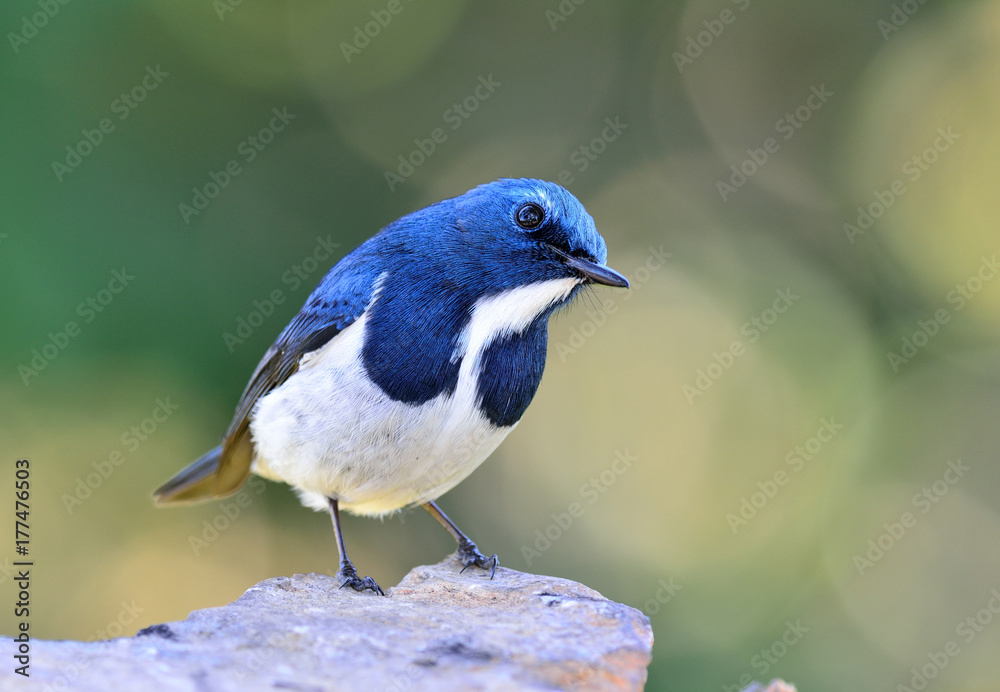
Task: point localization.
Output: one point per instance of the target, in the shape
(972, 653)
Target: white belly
(331, 432)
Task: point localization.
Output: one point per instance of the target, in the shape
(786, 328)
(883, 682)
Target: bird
(411, 361)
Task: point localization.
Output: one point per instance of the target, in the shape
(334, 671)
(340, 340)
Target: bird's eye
(530, 216)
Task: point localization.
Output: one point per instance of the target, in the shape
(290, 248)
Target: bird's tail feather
(195, 482)
(218, 473)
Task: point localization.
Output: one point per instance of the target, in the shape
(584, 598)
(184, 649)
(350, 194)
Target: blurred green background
(804, 195)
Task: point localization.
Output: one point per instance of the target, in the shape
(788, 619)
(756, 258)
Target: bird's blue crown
(430, 268)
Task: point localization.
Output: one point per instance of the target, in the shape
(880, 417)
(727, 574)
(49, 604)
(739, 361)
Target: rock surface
(437, 630)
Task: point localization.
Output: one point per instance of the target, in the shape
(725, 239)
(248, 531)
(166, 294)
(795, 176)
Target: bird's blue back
(429, 269)
(452, 299)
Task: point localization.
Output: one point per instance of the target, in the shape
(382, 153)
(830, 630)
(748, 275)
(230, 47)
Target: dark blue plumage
(510, 372)
(412, 359)
(435, 263)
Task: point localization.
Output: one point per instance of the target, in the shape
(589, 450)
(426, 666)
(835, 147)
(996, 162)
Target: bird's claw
(469, 556)
(349, 577)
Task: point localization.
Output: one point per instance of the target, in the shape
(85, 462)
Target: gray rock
(437, 630)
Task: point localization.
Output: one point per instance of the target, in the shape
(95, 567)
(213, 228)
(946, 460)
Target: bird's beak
(594, 272)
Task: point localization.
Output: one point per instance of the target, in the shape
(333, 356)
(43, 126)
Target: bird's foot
(349, 577)
(469, 555)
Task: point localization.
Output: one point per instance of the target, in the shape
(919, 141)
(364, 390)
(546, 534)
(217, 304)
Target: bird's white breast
(329, 431)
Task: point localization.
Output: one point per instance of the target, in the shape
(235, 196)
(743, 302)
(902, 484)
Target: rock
(437, 630)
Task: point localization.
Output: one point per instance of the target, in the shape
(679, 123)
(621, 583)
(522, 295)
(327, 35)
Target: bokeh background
(804, 379)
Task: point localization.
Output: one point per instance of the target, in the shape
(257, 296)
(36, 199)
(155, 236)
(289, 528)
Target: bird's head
(517, 232)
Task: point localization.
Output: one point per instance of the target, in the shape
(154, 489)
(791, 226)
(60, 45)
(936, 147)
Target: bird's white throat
(331, 432)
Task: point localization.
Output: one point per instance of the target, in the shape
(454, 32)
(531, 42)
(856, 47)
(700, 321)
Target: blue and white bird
(411, 361)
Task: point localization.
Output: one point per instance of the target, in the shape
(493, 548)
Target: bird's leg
(468, 553)
(348, 575)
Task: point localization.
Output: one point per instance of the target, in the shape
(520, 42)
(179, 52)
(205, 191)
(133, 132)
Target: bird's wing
(336, 303)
